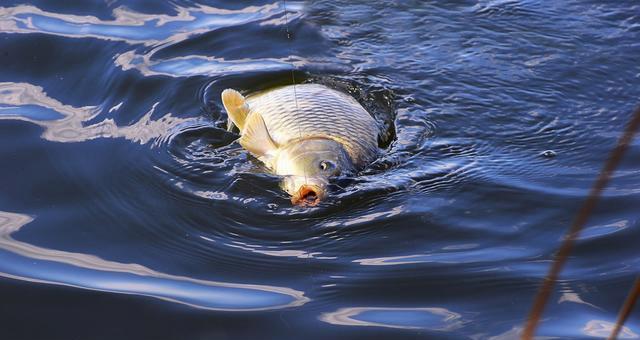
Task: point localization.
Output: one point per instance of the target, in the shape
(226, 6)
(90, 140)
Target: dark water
(128, 212)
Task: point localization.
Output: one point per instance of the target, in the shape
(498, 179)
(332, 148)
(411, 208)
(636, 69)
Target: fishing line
(295, 99)
(293, 76)
(578, 224)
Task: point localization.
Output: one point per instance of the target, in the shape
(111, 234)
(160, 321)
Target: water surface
(127, 210)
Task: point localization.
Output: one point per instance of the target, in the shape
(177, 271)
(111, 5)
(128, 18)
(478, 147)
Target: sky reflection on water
(28, 262)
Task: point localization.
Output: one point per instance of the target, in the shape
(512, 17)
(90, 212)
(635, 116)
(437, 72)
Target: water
(127, 210)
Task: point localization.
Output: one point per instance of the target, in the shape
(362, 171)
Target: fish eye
(326, 165)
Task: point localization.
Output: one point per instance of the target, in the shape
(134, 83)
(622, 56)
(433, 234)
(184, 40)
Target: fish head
(308, 165)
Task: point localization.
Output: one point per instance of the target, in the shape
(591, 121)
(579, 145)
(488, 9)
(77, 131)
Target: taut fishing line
(293, 76)
(295, 96)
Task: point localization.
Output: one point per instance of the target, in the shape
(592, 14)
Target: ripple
(430, 318)
(24, 261)
(602, 329)
(65, 124)
(495, 121)
(199, 65)
(135, 27)
(487, 255)
(365, 218)
(602, 230)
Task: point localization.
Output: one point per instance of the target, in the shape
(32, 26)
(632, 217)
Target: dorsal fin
(255, 137)
(237, 108)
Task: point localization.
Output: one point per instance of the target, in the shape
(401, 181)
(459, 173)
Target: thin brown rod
(578, 224)
(626, 309)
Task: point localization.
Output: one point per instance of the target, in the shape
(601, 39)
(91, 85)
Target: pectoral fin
(237, 108)
(255, 137)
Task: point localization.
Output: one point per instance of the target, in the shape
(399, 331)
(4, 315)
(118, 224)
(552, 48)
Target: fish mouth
(308, 195)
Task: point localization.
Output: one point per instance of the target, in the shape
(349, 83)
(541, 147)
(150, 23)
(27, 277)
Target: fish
(309, 134)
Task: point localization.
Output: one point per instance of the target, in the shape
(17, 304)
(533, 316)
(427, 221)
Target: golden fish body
(307, 133)
(311, 110)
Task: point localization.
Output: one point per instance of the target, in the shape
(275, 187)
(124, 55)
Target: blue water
(128, 212)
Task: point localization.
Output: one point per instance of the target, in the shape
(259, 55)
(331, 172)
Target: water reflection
(431, 318)
(575, 298)
(570, 327)
(601, 230)
(134, 27)
(512, 334)
(463, 201)
(24, 261)
(367, 218)
(198, 65)
(277, 252)
(160, 31)
(464, 256)
(65, 123)
(602, 329)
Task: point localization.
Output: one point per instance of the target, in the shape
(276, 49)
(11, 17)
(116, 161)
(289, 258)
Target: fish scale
(316, 111)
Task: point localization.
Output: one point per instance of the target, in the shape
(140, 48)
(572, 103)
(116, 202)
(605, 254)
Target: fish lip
(299, 198)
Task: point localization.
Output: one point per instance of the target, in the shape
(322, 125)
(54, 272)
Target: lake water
(128, 212)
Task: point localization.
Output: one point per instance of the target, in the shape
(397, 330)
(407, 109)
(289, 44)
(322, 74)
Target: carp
(306, 133)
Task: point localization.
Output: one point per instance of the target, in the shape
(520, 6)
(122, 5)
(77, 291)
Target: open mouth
(308, 195)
